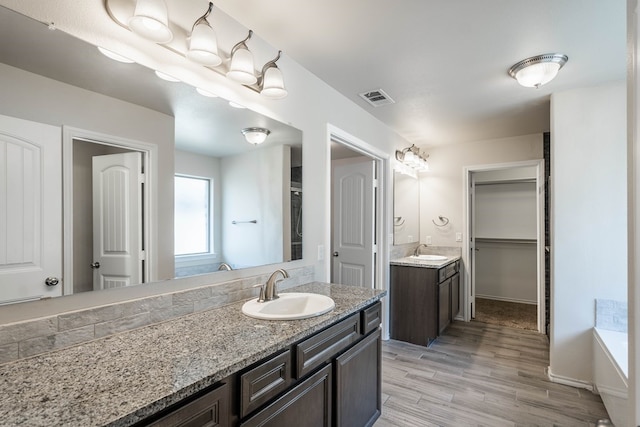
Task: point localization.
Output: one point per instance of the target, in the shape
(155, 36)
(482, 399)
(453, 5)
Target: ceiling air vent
(377, 98)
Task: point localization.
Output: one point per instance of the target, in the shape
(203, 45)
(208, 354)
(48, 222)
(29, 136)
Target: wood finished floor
(477, 374)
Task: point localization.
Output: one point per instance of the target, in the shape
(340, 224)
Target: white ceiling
(445, 62)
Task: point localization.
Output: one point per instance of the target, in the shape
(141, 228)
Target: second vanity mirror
(406, 209)
(237, 205)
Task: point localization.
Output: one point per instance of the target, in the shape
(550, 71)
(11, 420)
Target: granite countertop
(123, 378)
(415, 262)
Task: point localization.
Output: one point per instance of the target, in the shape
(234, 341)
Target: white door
(117, 220)
(353, 223)
(30, 210)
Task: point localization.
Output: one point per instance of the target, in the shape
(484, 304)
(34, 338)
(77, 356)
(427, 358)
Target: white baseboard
(568, 381)
(520, 301)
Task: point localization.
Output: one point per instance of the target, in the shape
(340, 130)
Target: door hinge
(375, 249)
(142, 178)
(143, 256)
(375, 183)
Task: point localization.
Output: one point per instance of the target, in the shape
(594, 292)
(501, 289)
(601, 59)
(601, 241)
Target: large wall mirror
(236, 205)
(406, 209)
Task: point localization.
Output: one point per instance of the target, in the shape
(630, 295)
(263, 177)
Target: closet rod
(497, 240)
(511, 181)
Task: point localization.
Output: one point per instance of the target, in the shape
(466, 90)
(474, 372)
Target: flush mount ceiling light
(255, 135)
(151, 21)
(241, 69)
(538, 70)
(203, 43)
(412, 158)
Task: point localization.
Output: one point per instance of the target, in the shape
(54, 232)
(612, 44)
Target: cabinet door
(306, 405)
(444, 306)
(455, 295)
(413, 304)
(358, 383)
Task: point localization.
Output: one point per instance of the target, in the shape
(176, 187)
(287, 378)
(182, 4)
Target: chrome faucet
(224, 266)
(270, 292)
(417, 251)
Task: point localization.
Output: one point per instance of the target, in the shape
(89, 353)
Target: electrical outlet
(427, 240)
(458, 237)
(320, 252)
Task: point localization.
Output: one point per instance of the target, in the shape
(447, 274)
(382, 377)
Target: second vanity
(424, 298)
(217, 367)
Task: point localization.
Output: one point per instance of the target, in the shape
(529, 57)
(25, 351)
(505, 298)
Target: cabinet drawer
(316, 350)
(265, 381)
(445, 272)
(371, 318)
(210, 410)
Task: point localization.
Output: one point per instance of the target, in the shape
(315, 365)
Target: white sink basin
(429, 257)
(289, 306)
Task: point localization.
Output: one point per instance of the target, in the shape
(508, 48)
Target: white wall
(442, 188)
(32, 97)
(253, 189)
(589, 219)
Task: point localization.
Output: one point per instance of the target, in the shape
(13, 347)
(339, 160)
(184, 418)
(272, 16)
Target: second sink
(289, 306)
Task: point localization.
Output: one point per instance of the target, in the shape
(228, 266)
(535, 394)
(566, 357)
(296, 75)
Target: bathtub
(610, 372)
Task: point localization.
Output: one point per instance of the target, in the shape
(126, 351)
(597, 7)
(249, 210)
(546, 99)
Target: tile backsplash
(35, 336)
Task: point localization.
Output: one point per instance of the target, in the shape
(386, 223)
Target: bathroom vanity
(424, 298)
(214, 368)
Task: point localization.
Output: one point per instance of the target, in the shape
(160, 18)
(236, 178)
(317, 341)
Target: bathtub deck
(479, 374)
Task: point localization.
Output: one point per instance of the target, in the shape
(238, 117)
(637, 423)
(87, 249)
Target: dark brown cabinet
(423, 301)
(332, 377)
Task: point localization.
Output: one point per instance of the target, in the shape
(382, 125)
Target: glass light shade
(537, 74)
(408, 157)
(255, 136)
(203, 46)
(241, 69)
(151, 21)
(273, 84)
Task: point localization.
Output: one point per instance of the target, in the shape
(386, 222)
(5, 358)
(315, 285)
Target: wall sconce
(412, 158)
(538, 70)
(255, 135)
(150, 20)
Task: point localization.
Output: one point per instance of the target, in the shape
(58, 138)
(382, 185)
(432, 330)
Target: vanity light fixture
(151, 21)
(203, 43)
(538, 70)
(271, 82)
(241, 69)
(255, 135)
(412, 158)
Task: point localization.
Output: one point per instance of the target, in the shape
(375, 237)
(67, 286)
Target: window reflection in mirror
(406, 209)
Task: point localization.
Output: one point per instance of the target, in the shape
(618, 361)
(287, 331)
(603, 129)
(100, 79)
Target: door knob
(95, 264)
(335, 254)
(51, 281)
